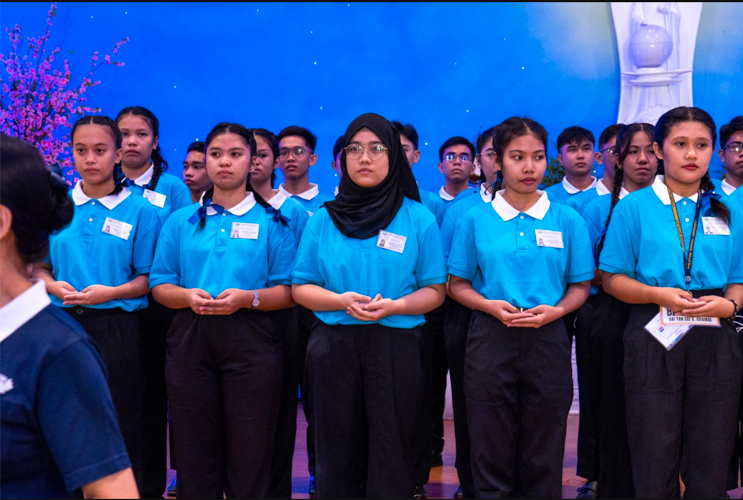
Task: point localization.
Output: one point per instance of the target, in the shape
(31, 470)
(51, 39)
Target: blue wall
(448, 68)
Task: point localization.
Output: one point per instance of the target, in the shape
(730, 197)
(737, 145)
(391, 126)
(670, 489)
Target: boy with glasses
(731, 155)
(457, 157)
(296, 156)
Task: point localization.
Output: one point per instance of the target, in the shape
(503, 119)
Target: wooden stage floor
(443, 481)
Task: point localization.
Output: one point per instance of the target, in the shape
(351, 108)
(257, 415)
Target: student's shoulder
(52, 330)
(596, 204)
(566, 214)
(418, 211)
(141, 205)
(322, 198)
(181, 216)
(475, 213)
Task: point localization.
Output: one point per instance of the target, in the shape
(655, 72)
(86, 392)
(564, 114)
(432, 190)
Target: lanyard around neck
(687, 257)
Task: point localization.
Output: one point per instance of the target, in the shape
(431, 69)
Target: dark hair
(610, 132)
(273, 143)
(456, 141)
(727, 130)
(682, 114)
(408, 131)
(574, 135)
(114, 132)
(159, 163)
(624, 141)
(483, 138)
(338, 147)
(309, 137)
(198, 146)
(509, 130)
(247, 135)
(36, 198)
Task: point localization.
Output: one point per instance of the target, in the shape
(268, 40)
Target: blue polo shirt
(110, 241)
(434, 204)
(331, 260)
(174, 194)
(563, 191)
(295, 212)
(497, 248)
(242, 248)
(57, 420)
(580, 200)
(455, 213)
(642, 242)
(723, 188)
(311, 199)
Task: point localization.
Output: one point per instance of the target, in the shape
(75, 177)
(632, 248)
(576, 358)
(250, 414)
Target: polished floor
(443, 481)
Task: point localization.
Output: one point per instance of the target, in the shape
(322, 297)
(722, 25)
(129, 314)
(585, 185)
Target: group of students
(216, 297)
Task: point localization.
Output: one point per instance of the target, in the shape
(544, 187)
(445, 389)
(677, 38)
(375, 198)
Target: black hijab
(360, 212)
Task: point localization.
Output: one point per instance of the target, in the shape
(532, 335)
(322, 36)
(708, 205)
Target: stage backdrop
(448, 68)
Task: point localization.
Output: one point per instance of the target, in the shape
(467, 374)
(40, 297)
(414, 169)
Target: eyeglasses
(611, 151)
(297, 152)
(375, 151)
(734, 147)
(453, 156)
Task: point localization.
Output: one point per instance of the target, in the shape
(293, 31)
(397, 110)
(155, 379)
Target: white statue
(655, 61)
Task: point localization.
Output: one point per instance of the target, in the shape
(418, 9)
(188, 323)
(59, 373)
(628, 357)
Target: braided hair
(690, 114)
(247, 135)
(158, 162)
(113, 130)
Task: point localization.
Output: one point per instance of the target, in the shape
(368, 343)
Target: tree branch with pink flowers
(38, 102)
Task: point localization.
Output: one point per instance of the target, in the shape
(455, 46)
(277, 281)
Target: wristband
(735, 311)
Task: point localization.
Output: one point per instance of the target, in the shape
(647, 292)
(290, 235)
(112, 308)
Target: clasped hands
(365, 308)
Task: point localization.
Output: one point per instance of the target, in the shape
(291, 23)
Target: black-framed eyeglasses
(297, 152)
(611, 150)
(454, 156)
(375, 151)
(734, 147)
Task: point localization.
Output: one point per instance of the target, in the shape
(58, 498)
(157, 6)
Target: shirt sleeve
(77, 416)
(166, 267)
(306, 267)
(282, 249)
(735, 275)
(181, 196)
(447, 230)
(591, 215)
(581, 264)
(145, 240)
(463, 256)
(298, 222)
(619, 255)
(431, 266)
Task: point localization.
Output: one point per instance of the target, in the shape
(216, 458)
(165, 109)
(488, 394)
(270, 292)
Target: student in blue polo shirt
(457, 163)
(635, 169)
(58, 423)
(296, 156)
(223, 265)
(672, 245)
(731, 155)
(370, 266)
(336, 163)
(97, 269)
(521, 263)
(575, 148)
(262, 179)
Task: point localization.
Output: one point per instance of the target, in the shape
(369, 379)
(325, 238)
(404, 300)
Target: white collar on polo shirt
(727, 187)
(601, 188)
(146, 177)
(335, 191)
(486, 197)
(307, 195)
(277, 201)
(661, 191)
(444, 195)
(507, 212)
(240, 209)
(623, 192)
(110, 201)
(23, 308)
(572, 189)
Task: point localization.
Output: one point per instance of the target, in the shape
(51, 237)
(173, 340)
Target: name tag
(668, 317)
(552, 239)
(244, 231)
(117, 228)
(667, 335)
(391, 241)
(157, 199)
(715, 225)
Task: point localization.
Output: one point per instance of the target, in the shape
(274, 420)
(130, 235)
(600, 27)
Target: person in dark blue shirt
(58, 423)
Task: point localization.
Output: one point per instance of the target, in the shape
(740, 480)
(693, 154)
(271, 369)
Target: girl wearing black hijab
(369, 265)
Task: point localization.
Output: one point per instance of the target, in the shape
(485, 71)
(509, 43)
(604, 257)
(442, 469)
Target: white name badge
(391, 241)
(715, 225)
(117, 228)
(667, 335)
(157, 199)
(668, 317)
(244, 231)
(552, 239)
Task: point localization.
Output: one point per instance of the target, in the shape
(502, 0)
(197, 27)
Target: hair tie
(201, 212)
(277, 217)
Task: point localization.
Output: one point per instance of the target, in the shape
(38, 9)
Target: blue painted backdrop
(448, 68)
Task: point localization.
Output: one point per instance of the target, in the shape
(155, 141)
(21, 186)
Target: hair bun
(63, 208)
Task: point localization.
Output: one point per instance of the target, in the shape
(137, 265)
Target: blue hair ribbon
(707, 198)
(277, 217)
(200, 214)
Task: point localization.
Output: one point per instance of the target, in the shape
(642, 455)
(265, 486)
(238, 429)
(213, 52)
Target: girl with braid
(682, 392)
(635, 169)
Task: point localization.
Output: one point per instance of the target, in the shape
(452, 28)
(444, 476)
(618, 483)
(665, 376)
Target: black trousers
(280, 485)
(518, 384)
(365, 381)
(578, 326)
(610, 317)
(116, 332)
(456, 325)
(439, 370)
(306, 319)
(735, 461)
(154, 323)
(682, 406)
(423, 416)
(224, 384)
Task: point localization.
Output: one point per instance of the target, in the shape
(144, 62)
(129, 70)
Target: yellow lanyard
(687, 257)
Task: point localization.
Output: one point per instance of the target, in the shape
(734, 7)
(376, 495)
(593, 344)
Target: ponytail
(719, 209)
(618, 179)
